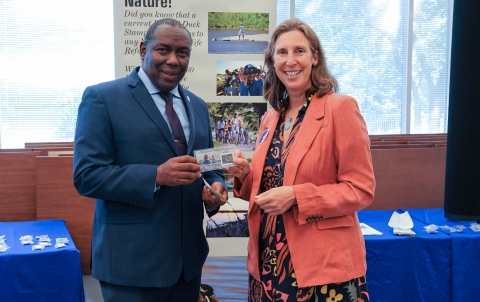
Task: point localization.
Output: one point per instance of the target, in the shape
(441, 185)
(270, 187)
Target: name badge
(264, 135)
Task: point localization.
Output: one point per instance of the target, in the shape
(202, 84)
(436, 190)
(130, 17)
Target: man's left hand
(210, 199)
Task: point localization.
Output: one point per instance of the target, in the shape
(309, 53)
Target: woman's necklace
(289, 123)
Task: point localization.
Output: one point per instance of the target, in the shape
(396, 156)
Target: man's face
(165, 59)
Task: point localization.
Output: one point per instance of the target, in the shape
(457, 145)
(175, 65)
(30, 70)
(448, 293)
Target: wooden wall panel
(48, 144)
(50, 150)
(58, 199)
(409, 178)
(17, 186)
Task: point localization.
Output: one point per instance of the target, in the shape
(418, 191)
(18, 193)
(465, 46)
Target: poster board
(214, 27)
(226, 35)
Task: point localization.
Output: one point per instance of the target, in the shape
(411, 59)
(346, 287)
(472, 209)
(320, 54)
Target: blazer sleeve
(96, 172)
(242, 190)
(353, 183)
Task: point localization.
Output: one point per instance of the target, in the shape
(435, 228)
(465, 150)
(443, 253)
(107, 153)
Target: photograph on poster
(228, 222)
(237, 33)
(231, 219)
(240, 78)
(236, 123)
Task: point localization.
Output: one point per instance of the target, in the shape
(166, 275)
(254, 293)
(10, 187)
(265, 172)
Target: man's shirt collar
(150, 87)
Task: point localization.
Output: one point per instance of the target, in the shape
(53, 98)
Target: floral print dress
(278, 282)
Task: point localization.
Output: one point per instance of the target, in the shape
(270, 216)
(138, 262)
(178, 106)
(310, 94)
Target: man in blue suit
(148, 242)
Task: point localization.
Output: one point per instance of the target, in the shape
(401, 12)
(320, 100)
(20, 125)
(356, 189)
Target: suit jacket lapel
(143, 97)
(191, 117)
(311, 125)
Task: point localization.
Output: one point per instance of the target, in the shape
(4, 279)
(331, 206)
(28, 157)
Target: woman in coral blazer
(310, 174)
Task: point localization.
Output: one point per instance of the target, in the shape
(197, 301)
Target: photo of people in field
(236, 123)
(240, 78)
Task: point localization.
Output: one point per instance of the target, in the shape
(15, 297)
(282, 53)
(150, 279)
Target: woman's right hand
(241, 168)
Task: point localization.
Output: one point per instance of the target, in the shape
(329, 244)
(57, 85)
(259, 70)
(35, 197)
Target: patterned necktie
(178, 135)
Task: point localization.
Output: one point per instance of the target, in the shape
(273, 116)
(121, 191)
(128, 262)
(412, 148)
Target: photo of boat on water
(237, 33)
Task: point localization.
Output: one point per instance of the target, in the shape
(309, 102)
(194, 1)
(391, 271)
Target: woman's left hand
(276, 201)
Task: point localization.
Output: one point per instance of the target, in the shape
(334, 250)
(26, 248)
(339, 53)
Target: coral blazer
(330, 170)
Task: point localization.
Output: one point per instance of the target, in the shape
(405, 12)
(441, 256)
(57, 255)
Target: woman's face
(293, 60)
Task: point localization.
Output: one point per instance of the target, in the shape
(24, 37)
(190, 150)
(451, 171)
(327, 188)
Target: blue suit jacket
(140, 237)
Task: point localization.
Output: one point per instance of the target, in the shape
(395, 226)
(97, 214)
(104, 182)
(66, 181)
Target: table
(406, 268)
(40, 275)
(437, 267)
(465, 252)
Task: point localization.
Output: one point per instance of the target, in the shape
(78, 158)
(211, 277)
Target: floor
(91, 289)
(227, 276)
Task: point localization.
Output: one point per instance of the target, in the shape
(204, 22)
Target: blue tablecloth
(406, 268)
(465, 252)
(40, 275)
(437, 267)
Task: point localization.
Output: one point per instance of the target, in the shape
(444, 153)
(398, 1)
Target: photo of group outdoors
(237, 33)
(234, 125)
(240, 78)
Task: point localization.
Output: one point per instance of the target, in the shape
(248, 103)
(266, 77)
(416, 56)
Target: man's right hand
(180, 170)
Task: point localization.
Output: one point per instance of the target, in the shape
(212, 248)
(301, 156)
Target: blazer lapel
(261, 149)
(143, 97)
(311, 125)
(270, 120)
